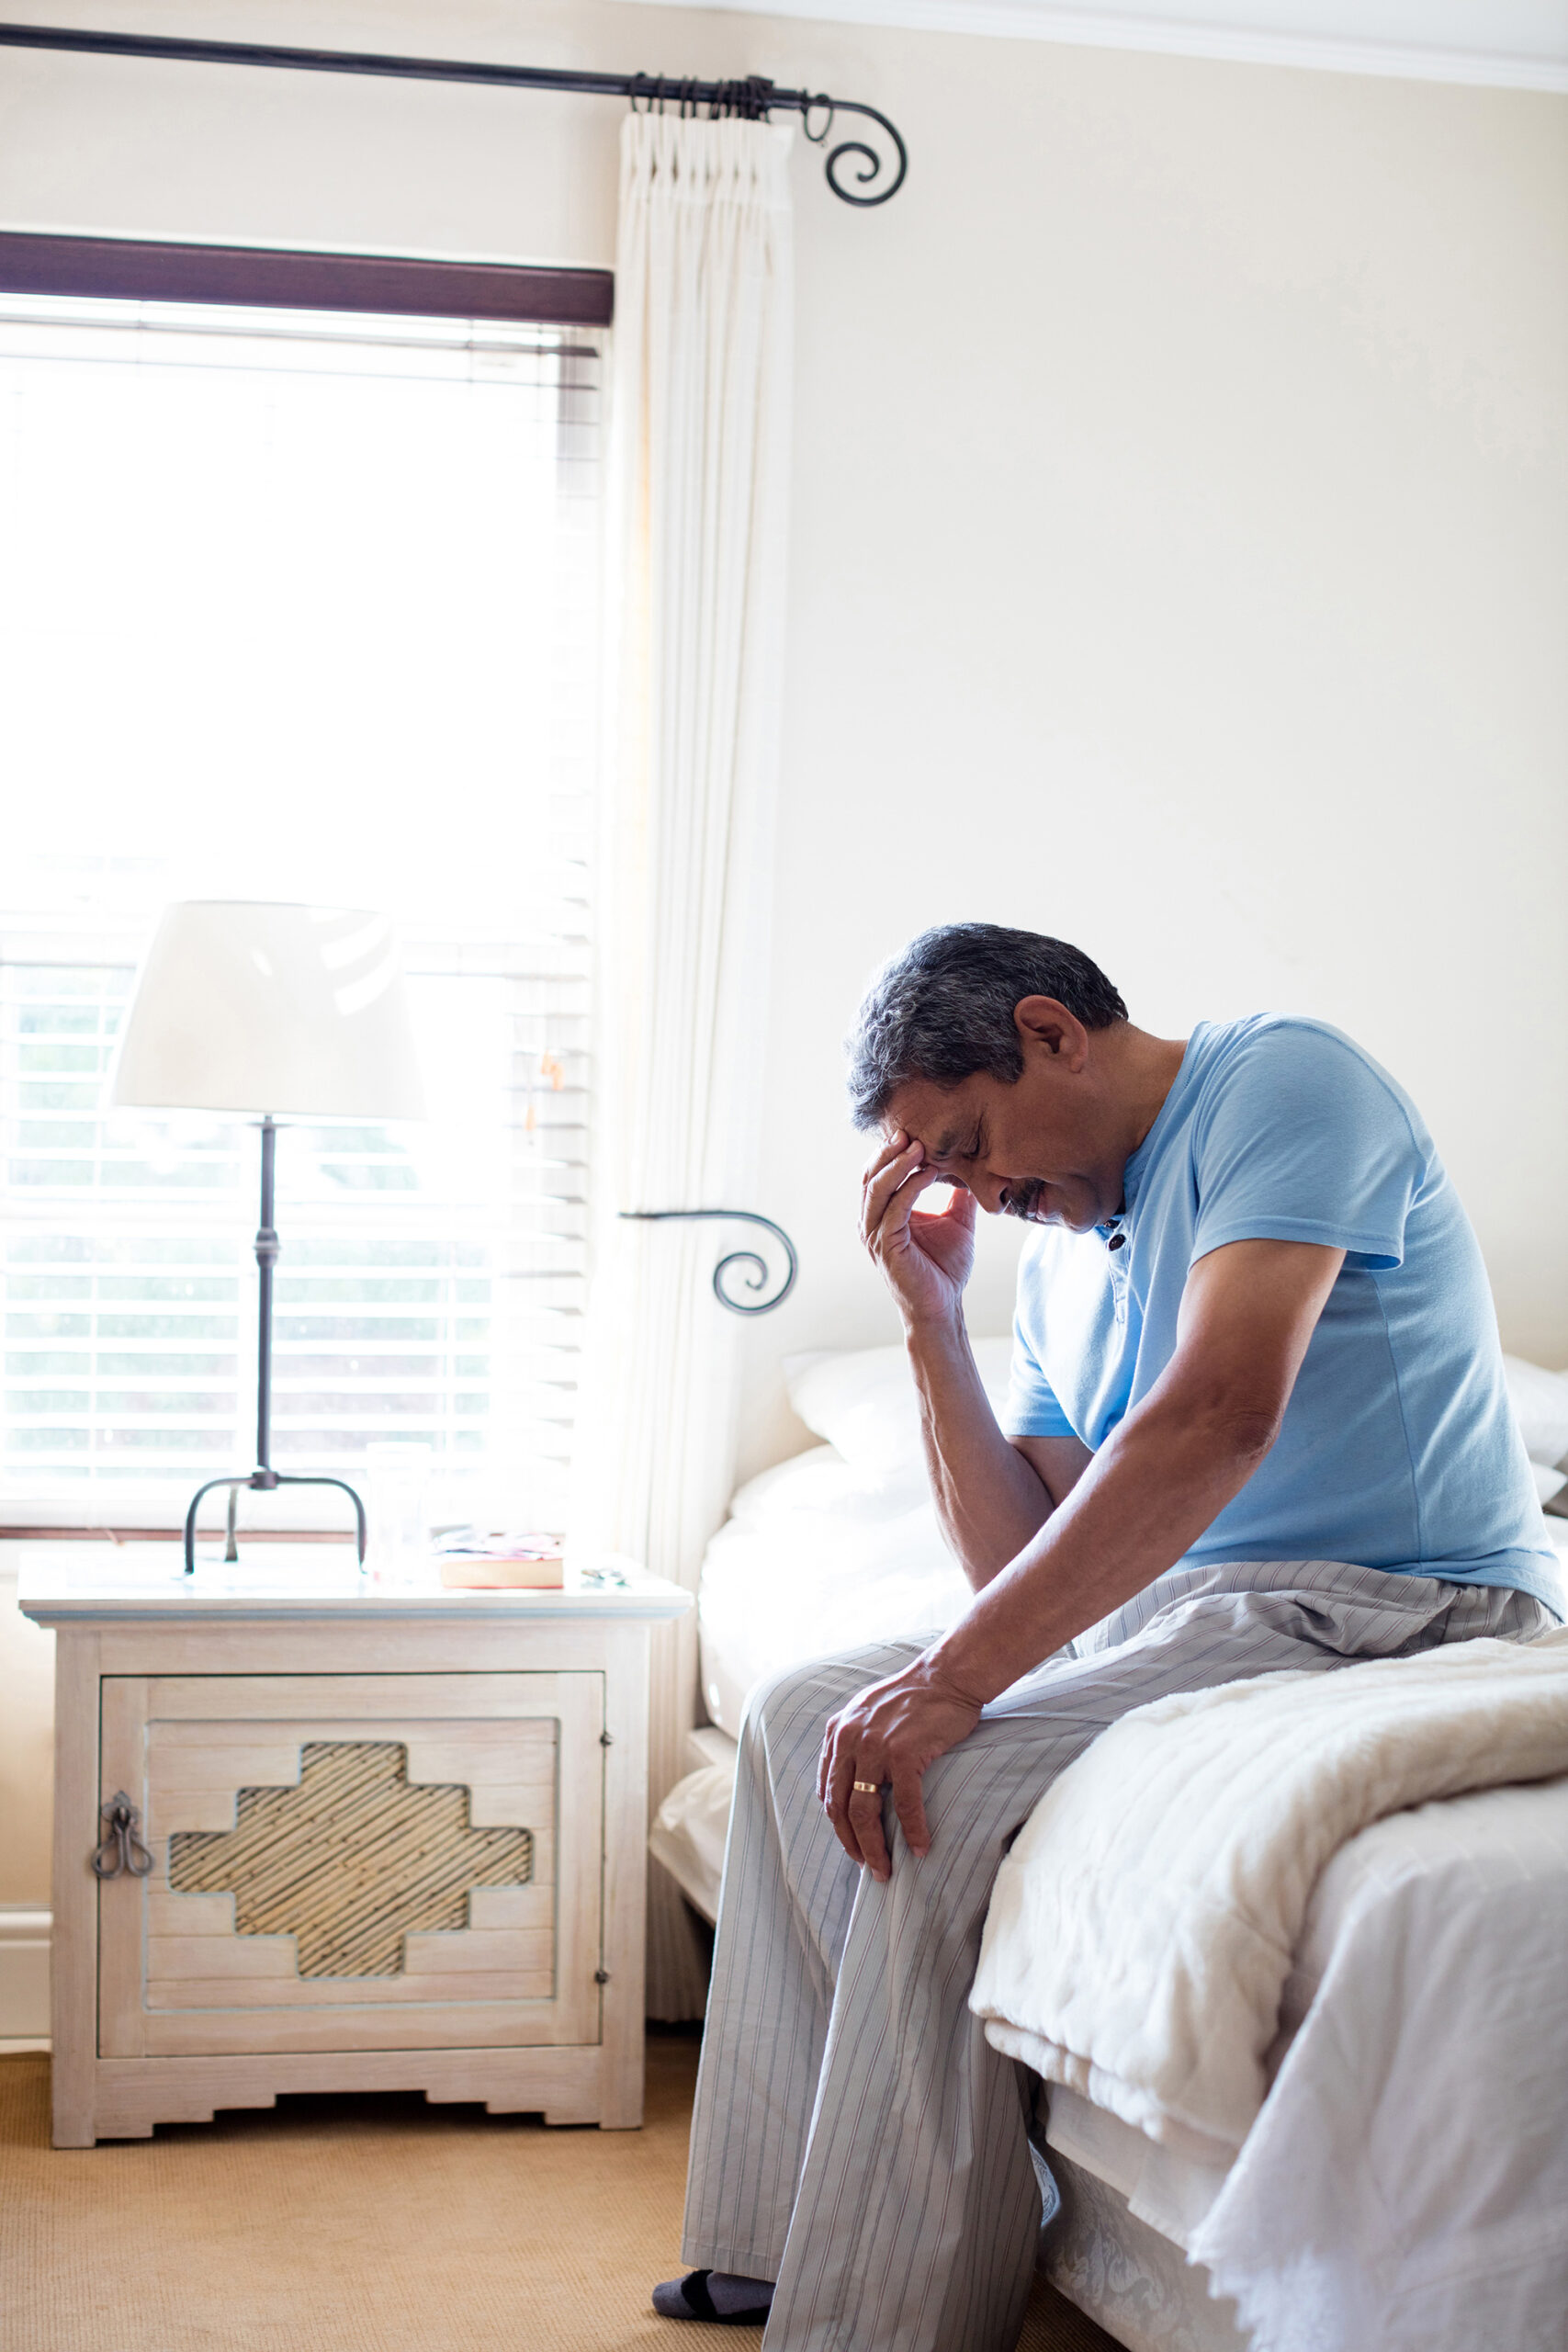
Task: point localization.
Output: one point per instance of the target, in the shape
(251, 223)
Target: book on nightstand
(473, 1560)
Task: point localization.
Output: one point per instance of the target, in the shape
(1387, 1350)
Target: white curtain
(699, 443)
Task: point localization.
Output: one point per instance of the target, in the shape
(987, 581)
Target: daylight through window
(304, 607)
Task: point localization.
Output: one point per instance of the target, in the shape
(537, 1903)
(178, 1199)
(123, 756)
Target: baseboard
(24, 1972)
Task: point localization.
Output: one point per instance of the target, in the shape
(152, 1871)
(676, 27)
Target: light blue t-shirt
(1398, 1448)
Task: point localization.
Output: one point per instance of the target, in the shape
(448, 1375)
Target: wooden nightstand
(377, 1840)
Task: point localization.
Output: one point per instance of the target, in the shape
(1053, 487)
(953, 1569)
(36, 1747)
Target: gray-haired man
(1258, 1419)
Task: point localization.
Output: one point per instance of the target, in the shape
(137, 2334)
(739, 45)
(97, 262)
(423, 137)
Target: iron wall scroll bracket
(759, 1273)
(122, 1849)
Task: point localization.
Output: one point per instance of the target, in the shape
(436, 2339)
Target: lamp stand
(264, 1477)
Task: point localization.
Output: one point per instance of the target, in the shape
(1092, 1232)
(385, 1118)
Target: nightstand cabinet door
(354, 1861)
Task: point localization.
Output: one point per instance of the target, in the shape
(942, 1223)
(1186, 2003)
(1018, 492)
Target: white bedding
(1138, 1944)
(815, 1557)
(690, 1828)
(1406, 2186)
(1141, 1929)
(841, 1544)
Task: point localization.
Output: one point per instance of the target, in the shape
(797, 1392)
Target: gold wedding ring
(869, 1787)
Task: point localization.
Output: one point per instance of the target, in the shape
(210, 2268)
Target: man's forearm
(990, 1501)
(1156, 1484)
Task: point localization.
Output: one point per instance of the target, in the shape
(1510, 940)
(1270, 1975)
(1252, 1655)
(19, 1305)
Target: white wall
(1182, 566)
(27, 1777)
(1180, 546)
(27, 1811)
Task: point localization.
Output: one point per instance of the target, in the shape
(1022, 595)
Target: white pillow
(1548, 1482)
(814, 1484)
(1539, 1401)
(863, 1401)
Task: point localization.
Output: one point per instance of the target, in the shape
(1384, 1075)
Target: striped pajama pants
(855, 2137)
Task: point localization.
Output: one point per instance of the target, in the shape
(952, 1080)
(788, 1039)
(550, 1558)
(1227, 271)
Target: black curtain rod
(753, 99)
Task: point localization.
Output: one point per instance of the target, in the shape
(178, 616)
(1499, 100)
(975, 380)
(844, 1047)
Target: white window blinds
(305, 608)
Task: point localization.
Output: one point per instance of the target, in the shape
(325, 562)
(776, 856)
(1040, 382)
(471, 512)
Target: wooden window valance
(267, 278)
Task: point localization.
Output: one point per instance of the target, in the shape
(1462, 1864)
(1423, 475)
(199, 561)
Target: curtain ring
(817, 138)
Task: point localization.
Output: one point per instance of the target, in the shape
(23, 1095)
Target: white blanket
(1405, 2187)
(1141, 1929)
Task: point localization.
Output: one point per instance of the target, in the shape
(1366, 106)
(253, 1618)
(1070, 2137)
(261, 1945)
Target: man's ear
(1047, 1029)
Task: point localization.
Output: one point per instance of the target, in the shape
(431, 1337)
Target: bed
(844, 1535)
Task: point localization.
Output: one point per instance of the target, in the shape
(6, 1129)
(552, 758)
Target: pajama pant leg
(855, 2137)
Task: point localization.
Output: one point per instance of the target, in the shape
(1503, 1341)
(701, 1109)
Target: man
(1257, 1421)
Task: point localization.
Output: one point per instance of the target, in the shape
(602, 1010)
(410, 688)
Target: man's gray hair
(943, 1008)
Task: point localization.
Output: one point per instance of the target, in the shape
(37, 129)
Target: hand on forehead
(947, 1139)
(943, 1122)
(898, 1143)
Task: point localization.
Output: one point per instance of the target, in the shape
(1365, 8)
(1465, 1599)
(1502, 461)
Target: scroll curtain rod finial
(759, 1276)
(753, 98)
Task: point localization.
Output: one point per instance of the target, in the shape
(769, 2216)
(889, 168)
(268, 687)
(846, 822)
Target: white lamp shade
(256, 1007)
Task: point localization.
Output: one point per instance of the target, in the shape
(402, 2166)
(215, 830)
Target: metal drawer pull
(122, 1848)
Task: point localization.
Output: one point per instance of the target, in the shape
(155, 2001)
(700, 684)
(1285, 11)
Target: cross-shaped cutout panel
(351, 1861)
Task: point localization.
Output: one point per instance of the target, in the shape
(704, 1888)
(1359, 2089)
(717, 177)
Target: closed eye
(949, 1148)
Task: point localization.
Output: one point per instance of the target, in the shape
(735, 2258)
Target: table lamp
(269, 1009)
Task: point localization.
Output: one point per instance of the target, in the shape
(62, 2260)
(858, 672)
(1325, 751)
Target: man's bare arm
(1247, 1314)
(991, 1496)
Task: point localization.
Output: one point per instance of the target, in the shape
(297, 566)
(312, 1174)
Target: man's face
(1037, 1149)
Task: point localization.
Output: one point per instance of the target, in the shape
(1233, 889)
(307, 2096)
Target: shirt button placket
(1116, 1251)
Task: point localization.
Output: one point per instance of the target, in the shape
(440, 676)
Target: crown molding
(1255, 44)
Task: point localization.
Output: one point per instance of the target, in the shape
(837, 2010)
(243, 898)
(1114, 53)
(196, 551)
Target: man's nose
(988, 1190)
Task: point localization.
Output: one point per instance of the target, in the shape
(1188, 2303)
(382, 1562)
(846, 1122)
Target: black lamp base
(264, 1477)
(263, 1481)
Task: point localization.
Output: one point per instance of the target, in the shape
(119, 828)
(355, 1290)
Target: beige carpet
(361, 2225)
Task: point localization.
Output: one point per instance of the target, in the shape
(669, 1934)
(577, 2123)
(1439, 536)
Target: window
(295, 606)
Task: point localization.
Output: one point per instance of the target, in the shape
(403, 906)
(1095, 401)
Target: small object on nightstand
(398, 1550)
(474, 1561)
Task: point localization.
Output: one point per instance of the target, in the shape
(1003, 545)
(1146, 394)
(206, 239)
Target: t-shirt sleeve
(1305, 1140)
(1032, 1407)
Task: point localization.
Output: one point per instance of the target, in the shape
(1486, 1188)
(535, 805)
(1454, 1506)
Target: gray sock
(730, 2292)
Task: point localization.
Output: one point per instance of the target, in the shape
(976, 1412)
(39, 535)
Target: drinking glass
(397, 1550)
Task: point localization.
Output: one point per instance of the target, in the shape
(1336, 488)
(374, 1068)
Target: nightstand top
(63, 1583)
